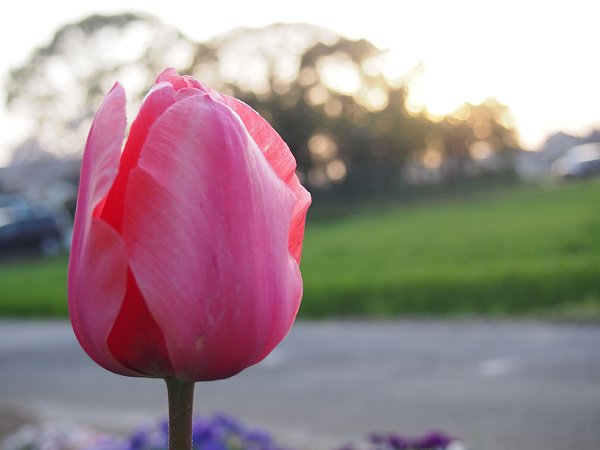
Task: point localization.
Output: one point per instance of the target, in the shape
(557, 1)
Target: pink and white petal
(283, 163)
(97, 289)
(100, 161)
(296, 237)
(178, 82)
(187, 92)
(98, 171)
(206, 230)
(276, 151)
(170, 75)
(155, 103)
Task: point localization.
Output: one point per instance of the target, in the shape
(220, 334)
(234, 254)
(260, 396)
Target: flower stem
(181, 405)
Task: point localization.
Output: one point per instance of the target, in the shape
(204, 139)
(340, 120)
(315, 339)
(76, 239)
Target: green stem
(181, 405)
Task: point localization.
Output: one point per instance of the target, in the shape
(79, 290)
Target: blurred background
(452, 148)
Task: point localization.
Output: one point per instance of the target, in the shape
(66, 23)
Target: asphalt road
(497, 385)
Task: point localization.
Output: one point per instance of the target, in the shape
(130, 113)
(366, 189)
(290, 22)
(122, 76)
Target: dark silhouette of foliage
(326, 94)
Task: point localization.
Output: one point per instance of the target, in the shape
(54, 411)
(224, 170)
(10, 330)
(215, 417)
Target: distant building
(539, 164)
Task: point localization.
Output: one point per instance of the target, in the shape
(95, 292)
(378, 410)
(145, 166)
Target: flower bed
(219, 432)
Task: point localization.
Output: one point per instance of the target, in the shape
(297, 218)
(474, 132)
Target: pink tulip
(186, 246)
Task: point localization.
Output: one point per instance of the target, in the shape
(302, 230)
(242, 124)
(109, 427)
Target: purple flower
(221, 432)
(433, 440)
(227, 423)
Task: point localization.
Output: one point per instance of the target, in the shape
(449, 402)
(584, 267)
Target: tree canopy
(346, 123)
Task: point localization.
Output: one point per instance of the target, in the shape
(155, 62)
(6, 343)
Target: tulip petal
(170, 75)
(179, 82)
(268, 140)
(283, 163)
(96, 295)
(303, 201)
(206, 229)
(100, 162)
(136, 339)
(154, 105)
(96, 276)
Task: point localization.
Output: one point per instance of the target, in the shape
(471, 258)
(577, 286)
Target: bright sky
(539, 58)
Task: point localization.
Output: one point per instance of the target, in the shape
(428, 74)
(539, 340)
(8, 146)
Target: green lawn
(521, 250)
(35, 287)
(518, 251)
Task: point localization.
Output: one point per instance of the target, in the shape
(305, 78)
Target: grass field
(521, 251)
(33, 287)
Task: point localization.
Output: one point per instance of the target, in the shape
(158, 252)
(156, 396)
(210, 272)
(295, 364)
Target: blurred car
(581, 161)
(23, 226)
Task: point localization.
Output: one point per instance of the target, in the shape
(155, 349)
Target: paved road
(498, 385)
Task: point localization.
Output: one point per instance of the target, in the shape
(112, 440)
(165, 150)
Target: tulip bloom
(186, 246)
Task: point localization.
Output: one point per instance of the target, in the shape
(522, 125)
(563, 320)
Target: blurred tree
(327, 97)
(61, 85)
(477, 140)
(347, 124)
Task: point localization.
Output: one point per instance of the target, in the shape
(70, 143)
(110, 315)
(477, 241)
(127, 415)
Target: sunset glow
(536, 58)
